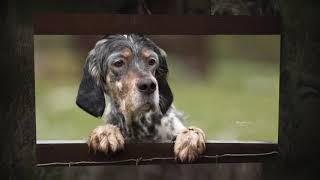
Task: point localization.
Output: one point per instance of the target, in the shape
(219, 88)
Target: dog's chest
(147, 129)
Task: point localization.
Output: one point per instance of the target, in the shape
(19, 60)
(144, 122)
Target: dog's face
(130, 76)
(129, 69)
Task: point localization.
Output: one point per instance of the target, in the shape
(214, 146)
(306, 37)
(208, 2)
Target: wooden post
(299, 132)
(299, 124)
(17, 105)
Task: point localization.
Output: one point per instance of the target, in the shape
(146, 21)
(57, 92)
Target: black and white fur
(129, 74)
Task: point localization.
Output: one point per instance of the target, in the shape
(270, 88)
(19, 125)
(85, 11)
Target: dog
(125, 81)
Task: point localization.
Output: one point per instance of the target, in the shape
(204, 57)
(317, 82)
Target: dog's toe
(106, 138)
(190, 143)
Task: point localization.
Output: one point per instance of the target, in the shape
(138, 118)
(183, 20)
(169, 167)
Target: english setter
(129, 74)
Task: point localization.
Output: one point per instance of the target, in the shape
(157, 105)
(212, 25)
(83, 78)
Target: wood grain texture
(17, 105)
(85, 6)
(77, 154)
(100, 24)
(300, 82)
(171, 7)
(299, 124)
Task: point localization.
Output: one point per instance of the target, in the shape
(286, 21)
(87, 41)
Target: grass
(239, 103)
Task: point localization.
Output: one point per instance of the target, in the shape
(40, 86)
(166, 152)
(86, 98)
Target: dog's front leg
(106, 138)
(189, 144)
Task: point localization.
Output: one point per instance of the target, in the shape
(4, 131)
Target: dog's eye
(152, 62)
(118, 63)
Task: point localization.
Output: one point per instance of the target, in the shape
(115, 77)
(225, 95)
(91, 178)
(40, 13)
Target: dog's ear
(166, 96)
(90, 96)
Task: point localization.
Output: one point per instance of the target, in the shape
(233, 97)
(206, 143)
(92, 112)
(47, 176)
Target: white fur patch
(93, 70)
(130, 39)
(119, 85)
(92, 52)
(171, 117)
(163, 53)
(101, 42)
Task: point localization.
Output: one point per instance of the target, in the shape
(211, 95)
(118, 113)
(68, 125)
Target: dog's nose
(146, 86)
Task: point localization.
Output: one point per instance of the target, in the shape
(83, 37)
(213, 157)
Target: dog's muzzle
(147, 88)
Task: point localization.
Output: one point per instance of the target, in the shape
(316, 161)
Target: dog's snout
(146, 86)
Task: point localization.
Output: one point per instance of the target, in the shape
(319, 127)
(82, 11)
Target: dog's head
(129, 69)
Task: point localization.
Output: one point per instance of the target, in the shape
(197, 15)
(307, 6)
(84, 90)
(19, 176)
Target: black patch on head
(90, 96)
(166, 96)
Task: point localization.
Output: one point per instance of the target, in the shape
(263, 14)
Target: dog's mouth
(147, 106)
(146, 103)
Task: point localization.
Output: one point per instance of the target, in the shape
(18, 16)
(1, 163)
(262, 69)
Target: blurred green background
(226, 85)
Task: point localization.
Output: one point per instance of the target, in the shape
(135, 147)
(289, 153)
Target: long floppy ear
(90, 96)
(166, 96)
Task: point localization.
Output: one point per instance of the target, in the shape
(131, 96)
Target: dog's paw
(190, 143)
(106, 138)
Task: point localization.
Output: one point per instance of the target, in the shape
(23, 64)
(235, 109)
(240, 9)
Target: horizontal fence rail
(93, 24)
(76, 153)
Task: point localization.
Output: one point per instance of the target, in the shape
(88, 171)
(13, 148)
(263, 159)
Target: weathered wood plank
(172, 7)
(300, 82)
(299, 124)
(82, 24)
(77, 154)
(17, 105)
(85, 6)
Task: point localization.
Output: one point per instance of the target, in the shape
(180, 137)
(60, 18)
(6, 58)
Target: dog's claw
(106, 138)
(190, 143)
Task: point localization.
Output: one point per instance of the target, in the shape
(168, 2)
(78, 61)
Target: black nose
(146, 86)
